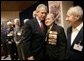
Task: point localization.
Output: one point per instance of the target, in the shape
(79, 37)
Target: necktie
(42, 27)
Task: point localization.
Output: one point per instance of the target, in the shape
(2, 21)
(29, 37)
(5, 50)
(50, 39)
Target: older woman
(55, 40)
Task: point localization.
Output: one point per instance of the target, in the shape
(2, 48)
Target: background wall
(65, 6)
(9, 15)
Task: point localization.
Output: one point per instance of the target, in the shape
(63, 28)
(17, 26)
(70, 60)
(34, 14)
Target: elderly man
(34, 34)
(75, 33)
(55, 40)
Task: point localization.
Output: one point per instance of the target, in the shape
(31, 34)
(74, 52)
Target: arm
(26, 40)
(63, 43)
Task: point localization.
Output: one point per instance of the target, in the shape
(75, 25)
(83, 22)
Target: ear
(77, 17)
(37, 11)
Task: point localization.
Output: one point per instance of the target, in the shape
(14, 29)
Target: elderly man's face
(71, 18)
(41, 13)
(49, 20)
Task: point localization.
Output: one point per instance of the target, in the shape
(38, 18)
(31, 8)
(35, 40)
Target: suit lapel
(37, 26)
(78, 37)
(69, 37)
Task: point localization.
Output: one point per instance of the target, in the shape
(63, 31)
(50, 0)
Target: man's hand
(30, 58)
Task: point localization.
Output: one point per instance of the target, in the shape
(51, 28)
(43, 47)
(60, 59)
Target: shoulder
(29, 22)
(58, 27)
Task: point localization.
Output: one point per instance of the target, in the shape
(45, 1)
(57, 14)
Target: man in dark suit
(55, 40)
(33, 35)
(75, 33)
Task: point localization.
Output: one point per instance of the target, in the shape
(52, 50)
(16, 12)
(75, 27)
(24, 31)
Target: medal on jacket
(52, 38)
(48, 32)
(19, 33)
(78, 47)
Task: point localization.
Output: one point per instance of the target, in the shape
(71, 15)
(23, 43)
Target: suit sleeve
(26, 40)
(63, 44)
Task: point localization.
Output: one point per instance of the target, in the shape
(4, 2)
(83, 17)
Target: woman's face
(49, 20)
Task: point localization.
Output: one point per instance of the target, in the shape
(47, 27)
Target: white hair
(52, 15)
(25, 20)
(16, 20)
(34, 13)
(40, 6)
(9, 23)
(77, 10)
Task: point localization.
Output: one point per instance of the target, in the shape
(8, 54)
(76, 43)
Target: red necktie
(42, 27)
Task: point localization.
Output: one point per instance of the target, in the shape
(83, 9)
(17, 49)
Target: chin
(47, 25)
(42, 19)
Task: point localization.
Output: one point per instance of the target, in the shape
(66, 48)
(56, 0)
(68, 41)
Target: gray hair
(9, 23)
(16, 20)
(52, 15)
(41, 5)
(34, 13)
(77, 10)
(25, 20)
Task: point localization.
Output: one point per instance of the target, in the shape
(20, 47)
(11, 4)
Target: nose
(66, 19)
(46, 21)
(43, 15)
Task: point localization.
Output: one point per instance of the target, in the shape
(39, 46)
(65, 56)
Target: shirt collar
(39, 21)
(78, 27)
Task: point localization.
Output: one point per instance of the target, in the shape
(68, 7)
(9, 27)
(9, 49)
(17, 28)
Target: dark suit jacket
(33, 39)
(72, 53)
(58, 51)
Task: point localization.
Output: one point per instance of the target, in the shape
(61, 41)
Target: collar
(39, 21)
(78, 27)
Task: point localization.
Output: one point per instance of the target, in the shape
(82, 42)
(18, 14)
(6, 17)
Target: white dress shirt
(39, 21)
(75, 32)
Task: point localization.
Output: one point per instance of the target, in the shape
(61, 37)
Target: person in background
(33, 36)
(10, 40)
(55, 40)
(34, 13)
(4, 47)
(17, 30)
(17, 36)
(75, 33)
